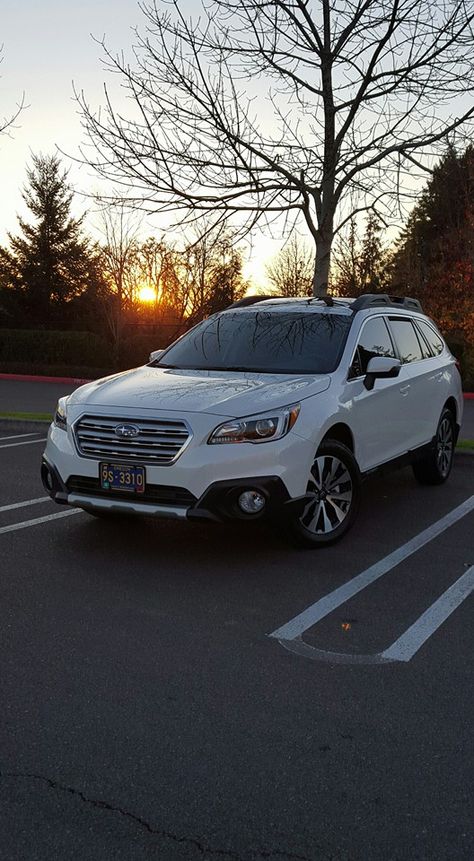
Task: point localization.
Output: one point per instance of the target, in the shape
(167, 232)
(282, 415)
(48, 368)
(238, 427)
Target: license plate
(117, 476)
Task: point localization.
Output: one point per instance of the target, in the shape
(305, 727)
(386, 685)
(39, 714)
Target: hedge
(26, 346)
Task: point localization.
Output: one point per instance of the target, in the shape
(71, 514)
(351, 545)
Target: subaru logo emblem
(126, 431)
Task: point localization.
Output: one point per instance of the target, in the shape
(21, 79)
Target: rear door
(418, 383)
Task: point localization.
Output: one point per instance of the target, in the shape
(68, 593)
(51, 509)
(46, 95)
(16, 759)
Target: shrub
(53, 348)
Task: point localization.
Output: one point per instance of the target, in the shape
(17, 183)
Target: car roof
(299, 304)
(331, 304)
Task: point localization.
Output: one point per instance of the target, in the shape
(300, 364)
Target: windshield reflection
(262, 341)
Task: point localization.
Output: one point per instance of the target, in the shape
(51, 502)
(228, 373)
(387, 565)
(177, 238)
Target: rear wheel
(436, 466)
(334, 485)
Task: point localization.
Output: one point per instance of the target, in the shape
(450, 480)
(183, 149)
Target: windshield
(282, 342)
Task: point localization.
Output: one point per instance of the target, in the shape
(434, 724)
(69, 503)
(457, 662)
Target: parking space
(149, 713)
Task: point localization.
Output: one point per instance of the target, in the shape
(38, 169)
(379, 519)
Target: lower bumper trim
(79, 500)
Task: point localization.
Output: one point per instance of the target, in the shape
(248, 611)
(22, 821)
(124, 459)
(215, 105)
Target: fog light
(252, 502)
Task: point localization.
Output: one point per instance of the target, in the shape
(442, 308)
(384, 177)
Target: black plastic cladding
(374, 300)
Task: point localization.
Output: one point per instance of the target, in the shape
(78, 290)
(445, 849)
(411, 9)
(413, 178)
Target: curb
(30, 378)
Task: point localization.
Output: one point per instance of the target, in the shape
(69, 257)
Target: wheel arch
(341, 433)
(452, 406)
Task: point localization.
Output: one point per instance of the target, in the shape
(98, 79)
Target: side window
(434, 340)
(374, 340)
(406, 340)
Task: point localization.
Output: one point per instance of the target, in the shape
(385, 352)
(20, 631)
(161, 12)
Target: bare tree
(7, 122)
(291, 272)
(212, 270)
(263, 108)
(119, 254)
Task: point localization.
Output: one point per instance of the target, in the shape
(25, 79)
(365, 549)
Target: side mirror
(155, 354)
(380, 368)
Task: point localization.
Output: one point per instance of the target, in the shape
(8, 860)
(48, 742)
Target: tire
(326, 519)
(436, 466)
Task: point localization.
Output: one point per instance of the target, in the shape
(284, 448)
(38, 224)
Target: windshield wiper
(244, 369)
(159, 364)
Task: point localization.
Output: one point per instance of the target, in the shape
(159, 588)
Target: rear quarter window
(434, 339)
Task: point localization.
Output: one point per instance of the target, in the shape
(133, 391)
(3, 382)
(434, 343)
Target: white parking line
(290, 635)
(23, 504)
(25, 442)
(18, 435)
(408, 644)
(313, 614)
(37, 520)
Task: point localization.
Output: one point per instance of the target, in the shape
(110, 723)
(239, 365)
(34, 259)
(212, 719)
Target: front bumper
(204, 482)
(218, 503)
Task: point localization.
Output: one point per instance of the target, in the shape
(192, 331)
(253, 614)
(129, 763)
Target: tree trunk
(322, 264)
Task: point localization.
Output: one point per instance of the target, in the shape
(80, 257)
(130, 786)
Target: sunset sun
(147, 294)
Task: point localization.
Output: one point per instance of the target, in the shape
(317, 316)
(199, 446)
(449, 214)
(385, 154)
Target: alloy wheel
(445, 446)
(331, 486)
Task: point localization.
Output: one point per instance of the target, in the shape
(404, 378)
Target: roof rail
(373, 300)
(251, 300)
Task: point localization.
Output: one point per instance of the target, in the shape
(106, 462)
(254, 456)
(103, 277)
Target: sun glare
(147, 294)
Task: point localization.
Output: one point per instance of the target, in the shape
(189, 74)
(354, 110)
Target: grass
(466, 444)
(28, 417)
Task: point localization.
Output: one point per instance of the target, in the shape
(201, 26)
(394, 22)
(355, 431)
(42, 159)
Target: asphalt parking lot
(179, 691)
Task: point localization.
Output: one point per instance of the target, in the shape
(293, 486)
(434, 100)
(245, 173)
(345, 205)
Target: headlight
(261, 428)
(60, 416)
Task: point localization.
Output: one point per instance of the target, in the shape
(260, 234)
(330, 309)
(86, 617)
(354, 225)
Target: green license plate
(118, 476)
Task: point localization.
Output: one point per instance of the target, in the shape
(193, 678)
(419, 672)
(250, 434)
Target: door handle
(404, 389)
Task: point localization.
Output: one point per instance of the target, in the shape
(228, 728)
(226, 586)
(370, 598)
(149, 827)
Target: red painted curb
(469, 396)
(29, 378)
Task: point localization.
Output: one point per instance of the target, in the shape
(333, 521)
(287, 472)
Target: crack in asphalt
(138, 820)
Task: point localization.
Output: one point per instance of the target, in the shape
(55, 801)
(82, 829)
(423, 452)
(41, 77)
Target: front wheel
(436, 466)
(334, 484)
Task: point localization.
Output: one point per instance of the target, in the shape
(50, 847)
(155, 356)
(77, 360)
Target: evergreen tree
(372, 260)
(434, 260)
(225, 281)
(50, 263)
(361, 265)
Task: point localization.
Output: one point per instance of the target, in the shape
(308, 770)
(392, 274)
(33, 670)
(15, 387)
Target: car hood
(221, 393)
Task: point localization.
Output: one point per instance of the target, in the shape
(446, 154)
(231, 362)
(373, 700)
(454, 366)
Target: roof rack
(373, 300)
(252, 300)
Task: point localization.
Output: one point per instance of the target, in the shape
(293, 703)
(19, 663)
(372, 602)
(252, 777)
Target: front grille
(160, 494)
(158, 441)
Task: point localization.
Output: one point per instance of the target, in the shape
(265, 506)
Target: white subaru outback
(274, 407)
